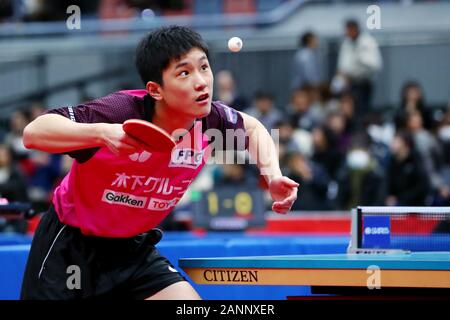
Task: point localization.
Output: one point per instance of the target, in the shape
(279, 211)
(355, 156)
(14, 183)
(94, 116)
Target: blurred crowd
(342, 150)
(28, 175)
(54, 10)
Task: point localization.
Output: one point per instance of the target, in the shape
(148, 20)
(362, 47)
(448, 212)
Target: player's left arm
(263, 150)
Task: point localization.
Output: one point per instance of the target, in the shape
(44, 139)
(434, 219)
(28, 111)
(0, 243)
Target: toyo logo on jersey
(161, 205)
(186, 158)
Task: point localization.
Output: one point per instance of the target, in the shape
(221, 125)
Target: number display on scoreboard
(229, 208)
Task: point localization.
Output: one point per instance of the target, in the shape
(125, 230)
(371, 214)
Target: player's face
(188, 84)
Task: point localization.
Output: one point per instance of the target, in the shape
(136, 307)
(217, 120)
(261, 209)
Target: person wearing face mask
(361, 180)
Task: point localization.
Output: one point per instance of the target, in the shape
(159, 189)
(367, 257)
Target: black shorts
(65, 264)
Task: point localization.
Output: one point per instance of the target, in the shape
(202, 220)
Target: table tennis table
(328, 273)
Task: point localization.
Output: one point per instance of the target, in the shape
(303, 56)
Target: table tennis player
(104, 214)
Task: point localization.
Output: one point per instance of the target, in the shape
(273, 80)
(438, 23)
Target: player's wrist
(100, 131)
(271, 177)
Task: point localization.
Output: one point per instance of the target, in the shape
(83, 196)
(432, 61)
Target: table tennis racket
(151, 136)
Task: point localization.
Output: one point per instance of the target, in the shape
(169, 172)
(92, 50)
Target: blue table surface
(403, 261)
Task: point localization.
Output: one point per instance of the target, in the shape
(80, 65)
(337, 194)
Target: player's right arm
(55, 133)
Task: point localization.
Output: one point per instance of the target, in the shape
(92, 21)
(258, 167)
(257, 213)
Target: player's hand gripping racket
(151, 136)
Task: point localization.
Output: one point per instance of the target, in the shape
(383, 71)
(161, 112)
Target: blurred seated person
(36, 109)
(429, 148)
(6, 10)
(286, 137)
(116, 9)
(13, 188)
(337, 122)
(227, 92)
(264, 110)
(326, 151)
(407, 180)
(14, 139)
(55, 10)
(13, 185)
(359, 60)
(235, 174)
(412, 100)
(443, 135)
(292, 141)
(300, 110)
(346, 105)
(361, 180)
(46, 170)
(313, 181)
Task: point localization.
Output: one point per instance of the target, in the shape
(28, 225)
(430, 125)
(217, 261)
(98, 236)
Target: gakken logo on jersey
(375, 230)
(140, 156)
(186, 158)
(124, 199)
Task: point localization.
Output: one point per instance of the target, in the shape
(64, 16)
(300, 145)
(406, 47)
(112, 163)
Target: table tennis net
(402, 228)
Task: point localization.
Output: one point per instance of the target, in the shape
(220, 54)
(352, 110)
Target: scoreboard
(229, 208)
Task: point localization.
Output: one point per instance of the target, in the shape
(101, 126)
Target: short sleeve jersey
(121, 196)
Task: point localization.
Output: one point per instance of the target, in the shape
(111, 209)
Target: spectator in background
(408, 182)
(116, 9)
(227, 92)
(412, 99)
(54, 10)
(45, 170)
(325, 150)
(429, 149)
(286, 142)
(14, 139)
(337, 123)
(286, 135)
(346, 106)
(300, 110)
(361, 180)
(36, 109)
(442, 198)
(13, 184)
(358, 61)
(6, 10)
(306, 65)
(443, 134)
(292, 140)
(234, 174)
(235, 171)
(313, 180)
(264, 110)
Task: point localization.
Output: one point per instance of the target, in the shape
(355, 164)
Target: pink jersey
(121, 196)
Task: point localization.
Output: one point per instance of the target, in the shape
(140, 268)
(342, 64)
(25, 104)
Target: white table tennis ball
(235, 44)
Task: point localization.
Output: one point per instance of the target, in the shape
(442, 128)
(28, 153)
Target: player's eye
(183, 73)
(205, 67)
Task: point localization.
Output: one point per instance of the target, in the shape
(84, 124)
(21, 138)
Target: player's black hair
(160, 47)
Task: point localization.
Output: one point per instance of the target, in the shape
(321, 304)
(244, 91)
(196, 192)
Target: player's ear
(154, 90)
